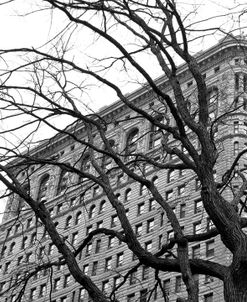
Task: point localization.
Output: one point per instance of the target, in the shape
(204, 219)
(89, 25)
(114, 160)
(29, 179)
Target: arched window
(11, 248)
(78, 218)
(131, 141)
(127, 195)
(102, 206)
(107, 160)
(68, 222)
(43, 187)
(91, 213)
(21, 203)
(63, 181)
(155, 180)
(170, 175)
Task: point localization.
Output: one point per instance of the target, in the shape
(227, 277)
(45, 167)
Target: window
(208, 297)
(43, 187)
(32, 294)
(92, 211)
(89, 229)
(29, 223)
(94, 268)
(196, 252)
(151, 204)
(181, 190)
(120, 179)
(63, 181)
(155, 180)
(78, 218)
(99, 224)
(11, 248)
(17, 228)
(64, 299)
(42, 290)
(140, 208)
(235, 148)
(210, 248)
(97, 246)
(162, 215)
(197, 227)
(41, 252)
(2, 286)
(150, 225)
(56, 284)
(198, 206)
(138, 230)
(107, 160)
(96, 191)
(236, 127)
(85, 166)
(178, 284)
(131, 142)
(143, 190)
(160, 241)
(170, 175)
(68, 222)
(88, 249)
(132, 278)
(24, 242)
(66, 280)
(105, 286)
(170, 235)
(208, 279)
(148, 246)
(182, 210)
(197, 184)
(127, 195)
(145, 272)
(7, 266)
(108, 263)
(102, 206)
(131, 298)
(81, 294)
(33, 238)
(155, 135)
(143, 295)
(166, 286)
(169, 194)
(119, 259)
(190, 83)
(72, 201)
(210, 224)
(85, 269)
(59, 208)
(74, 238)
(116, 281)
(114, 220)
(19, 260)
(111, 241)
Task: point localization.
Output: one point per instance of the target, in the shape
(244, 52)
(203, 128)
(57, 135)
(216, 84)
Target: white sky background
(34, 29)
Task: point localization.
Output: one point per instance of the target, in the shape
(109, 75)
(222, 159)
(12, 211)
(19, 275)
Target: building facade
(78, 206)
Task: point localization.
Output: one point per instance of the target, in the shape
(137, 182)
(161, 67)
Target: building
(79, 209)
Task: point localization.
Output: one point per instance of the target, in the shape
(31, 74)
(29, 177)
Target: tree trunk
(235, 287)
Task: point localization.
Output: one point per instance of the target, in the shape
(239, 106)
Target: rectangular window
(140, 208)
(198, 206)
(148, 246)
(108, 262)
(56, 284)
(197, 228)
(143, 295)
(105, 286)
(170, 234)
(236, 127)
(66, 280)
(138, 230)
(196, 252)
(162, 215)
(32, 294)
(166, 286)
(169, 194)
(97, 246)
(100, 224)
(88, 249)
(85, 269)
(208, 297)
(182, 210)
(74, 238)
(210, 224)
(210, 248)
(131, 298)
(111, 241)
(94, 268)
(151, 204)
(145, 272)
(132, 278)
(150, 225)
(181, 190)
(178, 284)
(120, 257)
(42, 290)
(114, 220)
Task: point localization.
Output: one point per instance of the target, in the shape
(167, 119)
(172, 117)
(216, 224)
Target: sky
(25, 23)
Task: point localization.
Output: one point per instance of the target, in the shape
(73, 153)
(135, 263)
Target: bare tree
(49, 86)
